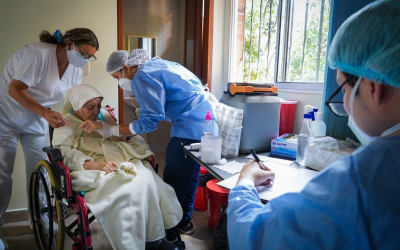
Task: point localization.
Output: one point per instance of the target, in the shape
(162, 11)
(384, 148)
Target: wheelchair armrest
(54, 153)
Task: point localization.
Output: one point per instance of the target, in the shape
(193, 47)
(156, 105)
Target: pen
(253, 153)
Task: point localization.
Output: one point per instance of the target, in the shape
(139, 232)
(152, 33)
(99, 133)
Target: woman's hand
(253, 171)
(18, 91)
(54, 118)
(90, 126)
(108, 167)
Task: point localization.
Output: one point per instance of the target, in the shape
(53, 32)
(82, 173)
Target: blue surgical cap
(368, 43)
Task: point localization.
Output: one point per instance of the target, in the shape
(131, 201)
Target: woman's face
(90, 110)
(129, 73)
(85, 50)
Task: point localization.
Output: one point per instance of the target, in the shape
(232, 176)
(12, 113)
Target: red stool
(216, 196)
(200, 201)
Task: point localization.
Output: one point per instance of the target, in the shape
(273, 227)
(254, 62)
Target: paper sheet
(287, 179)
(269, 159)
(231, 167)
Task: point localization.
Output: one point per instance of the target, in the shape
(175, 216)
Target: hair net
(116, 61)
(137, 57)
(120, 58)
(368, 43)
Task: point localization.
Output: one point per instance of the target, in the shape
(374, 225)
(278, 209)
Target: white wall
(220, 46)
(313, 98)
(22, 21)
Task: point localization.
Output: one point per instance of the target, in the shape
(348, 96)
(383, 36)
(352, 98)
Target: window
(280, 40)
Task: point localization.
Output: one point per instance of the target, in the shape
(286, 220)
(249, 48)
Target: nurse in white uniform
(35, 77)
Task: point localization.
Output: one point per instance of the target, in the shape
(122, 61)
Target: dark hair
(77, 35)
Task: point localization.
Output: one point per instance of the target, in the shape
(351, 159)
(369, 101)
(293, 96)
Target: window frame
(285, 86)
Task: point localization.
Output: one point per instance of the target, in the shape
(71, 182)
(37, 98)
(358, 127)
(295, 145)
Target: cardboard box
(285, 146)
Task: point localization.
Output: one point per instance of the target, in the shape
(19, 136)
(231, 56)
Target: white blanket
(132, 211)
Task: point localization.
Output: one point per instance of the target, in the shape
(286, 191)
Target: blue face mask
(361, 136)
(75, 58)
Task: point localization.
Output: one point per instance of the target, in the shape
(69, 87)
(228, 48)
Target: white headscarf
(78, 96)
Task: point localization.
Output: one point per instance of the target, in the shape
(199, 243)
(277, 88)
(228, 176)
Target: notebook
(288, 178)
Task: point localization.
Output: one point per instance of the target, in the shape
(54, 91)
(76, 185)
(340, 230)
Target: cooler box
(216, 196)
(287, 115)
(261, 111)
(200, 201)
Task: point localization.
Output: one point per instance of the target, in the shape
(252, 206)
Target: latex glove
(108, 130)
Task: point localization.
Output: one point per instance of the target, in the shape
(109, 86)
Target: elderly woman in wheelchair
(132, 204)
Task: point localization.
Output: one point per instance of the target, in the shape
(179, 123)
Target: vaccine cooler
(261, 108)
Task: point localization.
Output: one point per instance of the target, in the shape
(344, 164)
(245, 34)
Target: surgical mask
(361, 136)
(125, 83)
(75, 58)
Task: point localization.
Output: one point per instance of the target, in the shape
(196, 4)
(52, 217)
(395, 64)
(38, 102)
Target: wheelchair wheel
(46, 211)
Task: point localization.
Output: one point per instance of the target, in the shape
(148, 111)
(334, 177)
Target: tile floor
(19, 236)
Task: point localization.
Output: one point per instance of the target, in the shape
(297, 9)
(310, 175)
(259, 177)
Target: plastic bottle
(318, 127)
(210, 126)
(305, 137)
(211, 142)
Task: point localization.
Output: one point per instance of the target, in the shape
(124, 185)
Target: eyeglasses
(338, 107)
(86, 56)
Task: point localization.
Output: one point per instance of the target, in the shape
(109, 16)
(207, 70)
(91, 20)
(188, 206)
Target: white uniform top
(36, 66)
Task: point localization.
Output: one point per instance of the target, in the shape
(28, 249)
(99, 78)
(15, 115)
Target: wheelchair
(51, 200)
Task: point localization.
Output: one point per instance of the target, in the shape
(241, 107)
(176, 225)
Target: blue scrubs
(352, 204)
(168, 91)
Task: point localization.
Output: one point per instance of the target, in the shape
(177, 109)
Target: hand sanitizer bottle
(318, 127)
(304, 138)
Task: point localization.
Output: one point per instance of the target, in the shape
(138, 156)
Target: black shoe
(186, 229)
(164, 245)
(171, 235)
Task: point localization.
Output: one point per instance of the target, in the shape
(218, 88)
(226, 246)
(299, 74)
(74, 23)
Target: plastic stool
(216, 196)
(200, 201)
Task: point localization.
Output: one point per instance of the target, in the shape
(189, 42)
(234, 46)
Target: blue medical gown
(352, 204)
(168, 91)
